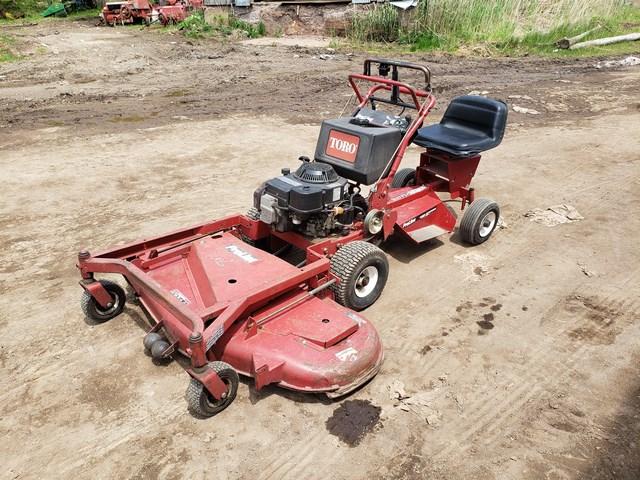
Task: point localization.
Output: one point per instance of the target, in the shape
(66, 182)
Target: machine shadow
(144, 322)
(618, 456)
(255, 396)
(456, 239)
(405, 250)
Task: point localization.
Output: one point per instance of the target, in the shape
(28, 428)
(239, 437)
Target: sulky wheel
(362, 269)
(202, 403)
(404, 177)
(479, 221)
(95, 311)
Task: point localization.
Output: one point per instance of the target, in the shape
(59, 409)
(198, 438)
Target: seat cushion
(471, 124)
(455, 141)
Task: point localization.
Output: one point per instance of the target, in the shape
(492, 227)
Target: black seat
(471, 125)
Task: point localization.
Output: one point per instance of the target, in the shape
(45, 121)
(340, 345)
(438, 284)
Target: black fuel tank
(357, 152)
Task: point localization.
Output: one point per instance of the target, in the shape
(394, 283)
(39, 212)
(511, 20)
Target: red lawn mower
(274, 294)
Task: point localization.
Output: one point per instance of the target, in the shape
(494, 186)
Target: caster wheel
(95, 311)
(156, 345)
(158, 349)
(362, 269)
(150, 339)
(202, 403)
(404, 177)
(479, 221)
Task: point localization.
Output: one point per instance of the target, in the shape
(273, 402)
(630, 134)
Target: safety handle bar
(394, 86)
(384, 69)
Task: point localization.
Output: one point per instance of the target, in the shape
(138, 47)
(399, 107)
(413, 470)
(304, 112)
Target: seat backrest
(478, 114)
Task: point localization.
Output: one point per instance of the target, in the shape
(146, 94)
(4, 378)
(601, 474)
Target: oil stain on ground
(486, 323)
(600, 319)
(353, 420)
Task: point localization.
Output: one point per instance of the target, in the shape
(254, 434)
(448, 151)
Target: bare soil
(529, 364)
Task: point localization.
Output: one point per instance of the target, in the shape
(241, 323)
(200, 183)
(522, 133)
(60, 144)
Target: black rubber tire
(95, 312)
(348, 263)
(201, 403)
(473, 219)
(404, 178)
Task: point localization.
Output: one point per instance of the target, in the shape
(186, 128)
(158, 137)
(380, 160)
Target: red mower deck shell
(316, 345)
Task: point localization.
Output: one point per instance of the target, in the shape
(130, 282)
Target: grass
(195, 26)
(89, 14)
(30, 12)
(382, 24)
(508, 27)
(626, 20)
(7, 54)
(11, 9)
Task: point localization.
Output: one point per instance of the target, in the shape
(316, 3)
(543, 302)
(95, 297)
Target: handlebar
(392, 85)
(384, 64)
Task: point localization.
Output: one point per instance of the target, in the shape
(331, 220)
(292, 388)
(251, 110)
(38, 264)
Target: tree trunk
(565, 43)
(631, 37)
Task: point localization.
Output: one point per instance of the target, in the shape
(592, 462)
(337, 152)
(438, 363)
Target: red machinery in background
(143, 11)
(174, 11)
(275, 294)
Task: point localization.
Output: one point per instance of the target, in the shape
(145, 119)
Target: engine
(322, 197)
(313, 200)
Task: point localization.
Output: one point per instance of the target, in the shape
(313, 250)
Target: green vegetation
(195, 26)
(253, 31)
(626, 20)
(500, 26)
(382, 24)
(89, 14)
(31, 10)
(11, 9)
(6, 49)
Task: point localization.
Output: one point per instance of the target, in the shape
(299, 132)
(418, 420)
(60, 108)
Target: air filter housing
(313, 172)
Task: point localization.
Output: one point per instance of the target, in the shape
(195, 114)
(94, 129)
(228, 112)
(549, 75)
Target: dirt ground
(526, 347)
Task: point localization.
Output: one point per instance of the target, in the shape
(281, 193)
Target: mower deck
(313, 345)
(218, 298)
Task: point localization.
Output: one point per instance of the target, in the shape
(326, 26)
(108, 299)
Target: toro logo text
(342, 145)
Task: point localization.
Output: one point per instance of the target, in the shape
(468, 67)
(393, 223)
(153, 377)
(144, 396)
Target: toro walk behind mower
(274, 294)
